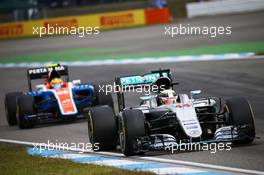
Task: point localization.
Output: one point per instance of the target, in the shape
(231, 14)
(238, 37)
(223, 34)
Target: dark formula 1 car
(165, 118)
(56, 99)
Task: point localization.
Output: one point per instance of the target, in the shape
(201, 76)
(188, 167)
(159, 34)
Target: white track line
(203, 165)
(175, 170)
(187, 58)
(115, 162)
(69, 156)
(156, 159)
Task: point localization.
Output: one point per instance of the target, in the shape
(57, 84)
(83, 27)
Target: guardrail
(102, 21)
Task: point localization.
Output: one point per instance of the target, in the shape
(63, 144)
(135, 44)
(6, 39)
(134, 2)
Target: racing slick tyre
(101, 98)
(102, 128)
(241, 115)
(11, 107)
(132, 126)
(25, 107)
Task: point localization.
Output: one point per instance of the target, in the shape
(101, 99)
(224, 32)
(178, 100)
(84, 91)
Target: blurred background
(18, 10)
(145, 19)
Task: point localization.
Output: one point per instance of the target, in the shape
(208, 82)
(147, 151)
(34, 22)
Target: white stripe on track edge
(144, 60)
(115, 162)
(69, 156)
(203, 165)
(175, 170)
(155, 159)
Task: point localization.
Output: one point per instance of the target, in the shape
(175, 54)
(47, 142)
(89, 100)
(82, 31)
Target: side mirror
(76, 82)
(195, 93)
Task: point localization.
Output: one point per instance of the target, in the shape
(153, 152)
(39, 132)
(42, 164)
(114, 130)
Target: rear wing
(43, 72)
(146, 79)
(138, 81)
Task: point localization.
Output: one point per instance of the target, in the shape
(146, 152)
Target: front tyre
(11, 107)
(241, 116)
(25, 108)
(102, 128)
(132, 126)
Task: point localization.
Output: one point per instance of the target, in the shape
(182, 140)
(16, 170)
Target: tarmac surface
(214, 78)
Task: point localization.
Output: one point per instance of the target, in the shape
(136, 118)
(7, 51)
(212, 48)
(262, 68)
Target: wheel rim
(90, 128)
(17, 114)
(252, 115)
(227, 110)
(122, 135)
(7, 112)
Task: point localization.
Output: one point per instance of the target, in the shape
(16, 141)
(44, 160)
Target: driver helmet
(168, 97)
(56, 83)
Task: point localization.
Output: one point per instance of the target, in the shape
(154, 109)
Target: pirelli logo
(11, 30)
(117, 20)
(62, 23)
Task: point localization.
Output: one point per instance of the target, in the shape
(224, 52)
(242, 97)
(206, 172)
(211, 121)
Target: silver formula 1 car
(165, 118)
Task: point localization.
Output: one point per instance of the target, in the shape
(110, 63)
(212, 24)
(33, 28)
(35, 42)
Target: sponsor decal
(65, 100)
(183, 105)
(137, 79)
(62, 23)
(73, 25)
(11, 30)
(45, 69)
(117, 20)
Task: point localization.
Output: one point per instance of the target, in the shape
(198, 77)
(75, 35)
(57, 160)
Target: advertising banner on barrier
(83, 24)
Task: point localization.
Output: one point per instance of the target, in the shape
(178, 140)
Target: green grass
(90, 54)
(15, 160)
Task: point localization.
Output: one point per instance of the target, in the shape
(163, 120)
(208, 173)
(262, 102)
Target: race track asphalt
(214, 78)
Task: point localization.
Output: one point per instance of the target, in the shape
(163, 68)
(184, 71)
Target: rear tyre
(11, 107)
(132, 126)
(101, 98)
(25, 107)
(102, 128)
(241, 114)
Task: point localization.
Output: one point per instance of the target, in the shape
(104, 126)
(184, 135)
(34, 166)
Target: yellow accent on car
(53, 65)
